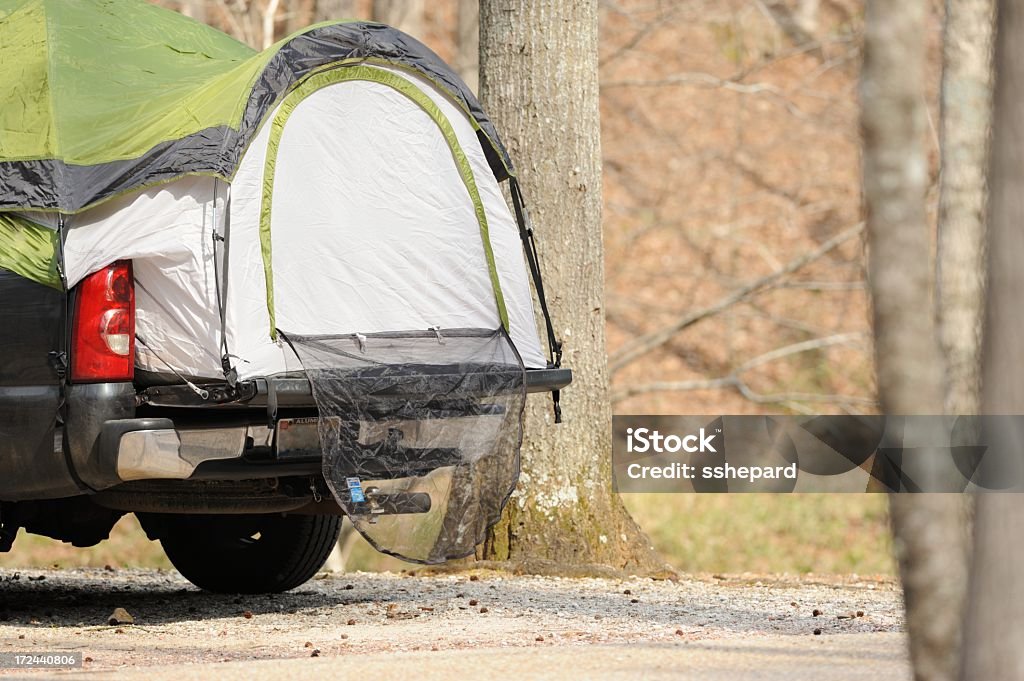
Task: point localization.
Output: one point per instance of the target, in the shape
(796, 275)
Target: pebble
(120, 616)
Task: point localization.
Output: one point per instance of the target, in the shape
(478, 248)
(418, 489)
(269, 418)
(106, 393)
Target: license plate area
(297, 438)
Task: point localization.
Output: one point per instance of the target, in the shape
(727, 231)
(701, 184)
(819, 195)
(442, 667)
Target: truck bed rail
(294, 391)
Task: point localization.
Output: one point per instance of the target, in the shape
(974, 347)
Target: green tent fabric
(102, 97)
(89, 82)
(29, 250)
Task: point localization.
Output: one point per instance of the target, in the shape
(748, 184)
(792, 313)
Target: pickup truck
(85, 438)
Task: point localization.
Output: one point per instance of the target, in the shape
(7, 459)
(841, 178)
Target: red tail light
(103, 348)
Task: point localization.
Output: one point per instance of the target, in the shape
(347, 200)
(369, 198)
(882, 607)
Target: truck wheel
(249, 553)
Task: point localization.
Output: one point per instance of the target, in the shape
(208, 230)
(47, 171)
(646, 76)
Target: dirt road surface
(489, 624)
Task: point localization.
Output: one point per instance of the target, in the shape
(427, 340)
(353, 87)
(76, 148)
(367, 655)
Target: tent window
(324, 79)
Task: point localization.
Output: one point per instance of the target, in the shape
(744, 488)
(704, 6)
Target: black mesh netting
(420, 433)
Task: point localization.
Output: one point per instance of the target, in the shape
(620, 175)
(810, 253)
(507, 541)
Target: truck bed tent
(334, 196)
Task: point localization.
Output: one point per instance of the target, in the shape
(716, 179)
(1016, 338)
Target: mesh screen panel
(420, 433)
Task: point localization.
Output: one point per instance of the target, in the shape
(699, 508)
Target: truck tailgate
(295, 391)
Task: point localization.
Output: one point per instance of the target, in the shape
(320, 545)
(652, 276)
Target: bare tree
(269, 22)
(928, 536)
(995, 619)
(253, 22)
(966, 122)
(733, 275)
(799, 26)
(960, 282)
(329, 10)
(933, 532)
(467, 43)
(405, 15)
(195, 9)
(806, 15)
(538, 80)
(895, 178)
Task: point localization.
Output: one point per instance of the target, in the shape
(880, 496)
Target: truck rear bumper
(153, 449)
(230, 447)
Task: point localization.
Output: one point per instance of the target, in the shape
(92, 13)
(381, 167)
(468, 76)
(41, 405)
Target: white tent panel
(372, 229)
(167, 231)
(384, 237)
(505, 240)
(246, 315)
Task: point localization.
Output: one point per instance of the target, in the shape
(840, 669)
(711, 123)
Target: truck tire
(249, 553)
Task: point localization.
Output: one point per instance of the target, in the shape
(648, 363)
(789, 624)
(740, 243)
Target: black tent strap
(221, 283)
(530, 248)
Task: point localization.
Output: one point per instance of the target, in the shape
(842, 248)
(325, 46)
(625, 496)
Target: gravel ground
(369, 614)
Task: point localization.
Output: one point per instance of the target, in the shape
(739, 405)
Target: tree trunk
(331, 10)
(933, 529)
(806, 15)
(966, 123)
(297, 14)
(270, 22)
(928, 534)
(195, 9)
(467, 43)
(405, 15)
(931, 545)
(538, 81)
(895, 178)
(995, 619)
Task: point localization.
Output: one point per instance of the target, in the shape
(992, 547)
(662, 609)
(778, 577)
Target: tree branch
(651, 341)
(734, 380)
(637, 37)
(696, 78)
(269, 17)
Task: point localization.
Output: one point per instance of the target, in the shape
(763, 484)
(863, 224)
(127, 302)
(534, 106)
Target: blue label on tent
(355, 490)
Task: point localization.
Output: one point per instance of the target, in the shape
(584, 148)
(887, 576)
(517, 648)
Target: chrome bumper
(153, 449)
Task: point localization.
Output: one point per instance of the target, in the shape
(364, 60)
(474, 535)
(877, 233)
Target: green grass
(822, 533)
(796, 533)
(127, 547)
